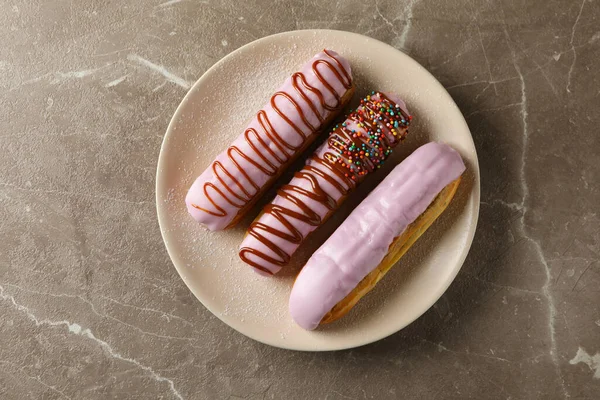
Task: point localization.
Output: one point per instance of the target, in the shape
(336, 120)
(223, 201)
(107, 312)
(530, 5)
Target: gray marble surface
(91, 305)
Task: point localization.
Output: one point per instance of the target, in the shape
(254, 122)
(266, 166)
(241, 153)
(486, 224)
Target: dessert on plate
(375, 235)
(290, 121)
(354, 149)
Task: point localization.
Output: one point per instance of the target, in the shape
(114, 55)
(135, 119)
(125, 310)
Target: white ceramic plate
(217, 109)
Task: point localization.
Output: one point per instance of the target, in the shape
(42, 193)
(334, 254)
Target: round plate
(217, 109)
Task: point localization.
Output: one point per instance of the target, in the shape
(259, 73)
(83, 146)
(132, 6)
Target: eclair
(354, 150)
(375, 235)
(292, 119)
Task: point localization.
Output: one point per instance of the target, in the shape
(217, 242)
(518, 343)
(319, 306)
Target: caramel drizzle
(242, 196)
(334, 164)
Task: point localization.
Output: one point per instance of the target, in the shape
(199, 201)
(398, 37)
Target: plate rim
(161, 210)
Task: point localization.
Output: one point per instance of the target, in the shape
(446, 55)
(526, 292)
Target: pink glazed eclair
(375, 235)
(292, 119)
(355, 149)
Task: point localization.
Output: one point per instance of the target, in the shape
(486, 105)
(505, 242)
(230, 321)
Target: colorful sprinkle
(377, 130)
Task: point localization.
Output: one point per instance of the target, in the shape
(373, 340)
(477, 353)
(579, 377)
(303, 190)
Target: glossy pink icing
(359, 245)
(228, 203)
(304, 228)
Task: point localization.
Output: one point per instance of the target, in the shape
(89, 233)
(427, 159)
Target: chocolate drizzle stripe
(285, 149)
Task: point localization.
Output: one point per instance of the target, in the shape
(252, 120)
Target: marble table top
(91, 307)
